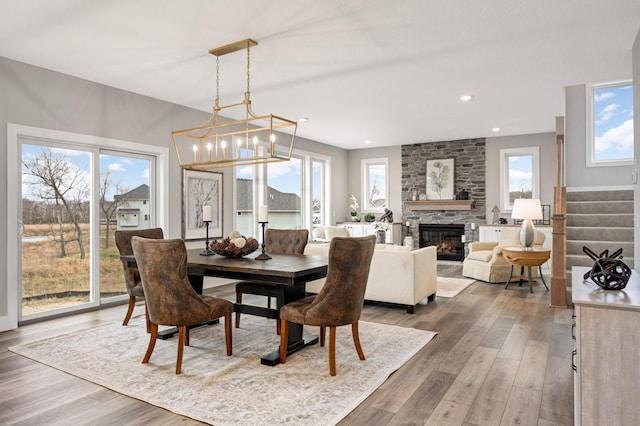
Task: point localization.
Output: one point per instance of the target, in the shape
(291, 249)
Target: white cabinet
(362, 229)
(492, 233)
(607, 352)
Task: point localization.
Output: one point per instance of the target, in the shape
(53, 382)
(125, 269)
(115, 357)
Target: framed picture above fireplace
(440, 179)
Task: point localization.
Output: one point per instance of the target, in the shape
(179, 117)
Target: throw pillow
(335, 231)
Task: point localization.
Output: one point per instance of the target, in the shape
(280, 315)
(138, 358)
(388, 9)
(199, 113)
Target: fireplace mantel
(441, 205)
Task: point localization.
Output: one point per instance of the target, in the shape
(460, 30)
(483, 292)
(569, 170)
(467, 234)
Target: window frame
(15, 134)
(366, 165)
(534, 151)
(590, 124)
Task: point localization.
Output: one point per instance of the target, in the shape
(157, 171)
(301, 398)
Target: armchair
(485, 261)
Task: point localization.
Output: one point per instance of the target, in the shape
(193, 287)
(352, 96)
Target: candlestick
(473, 226)
(263, 255)
(263, 214)
(206, 213)
(463, 238)
(207, 250)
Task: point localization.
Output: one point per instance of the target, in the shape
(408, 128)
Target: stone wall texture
(469, 174)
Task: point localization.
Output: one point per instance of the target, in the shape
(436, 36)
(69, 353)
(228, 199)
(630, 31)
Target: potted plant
(354, 208)
(370, 217)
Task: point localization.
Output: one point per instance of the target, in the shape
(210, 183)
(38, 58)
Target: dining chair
(131, 274)
(170, 298)
(340, 300)
(288, 241)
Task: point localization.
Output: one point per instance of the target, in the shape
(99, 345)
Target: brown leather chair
(291, 241)
(340, 300)
(170, 298)
(131, 274)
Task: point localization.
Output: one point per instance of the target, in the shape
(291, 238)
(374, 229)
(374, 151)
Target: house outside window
(610, 124)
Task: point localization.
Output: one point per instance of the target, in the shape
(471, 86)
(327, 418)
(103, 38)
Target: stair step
(599, 207)
(584, 233)
(584, 260)
(602, 221)
(575, 247)
(600, 195)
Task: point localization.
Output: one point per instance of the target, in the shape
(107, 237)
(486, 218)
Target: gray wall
(577, 173)
(548, 166)
(42, 98)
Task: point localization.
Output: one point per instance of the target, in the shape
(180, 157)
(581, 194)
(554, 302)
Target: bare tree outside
(55, 180)
(109, 208)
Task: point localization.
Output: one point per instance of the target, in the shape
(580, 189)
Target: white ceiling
(388, 71)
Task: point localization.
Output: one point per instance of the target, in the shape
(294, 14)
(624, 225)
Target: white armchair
(486, 263)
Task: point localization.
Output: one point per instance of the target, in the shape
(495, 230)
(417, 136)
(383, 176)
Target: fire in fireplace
(447, 239)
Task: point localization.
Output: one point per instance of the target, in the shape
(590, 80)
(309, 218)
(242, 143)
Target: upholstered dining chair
(131, 274)
(340, 300)
(170, 298)
(288, 241)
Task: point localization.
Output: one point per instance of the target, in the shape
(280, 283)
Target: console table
(607, 352)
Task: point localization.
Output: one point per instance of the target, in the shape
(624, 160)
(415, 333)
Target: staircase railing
(559, 233)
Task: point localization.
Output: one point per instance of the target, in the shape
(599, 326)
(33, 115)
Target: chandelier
(221, 142)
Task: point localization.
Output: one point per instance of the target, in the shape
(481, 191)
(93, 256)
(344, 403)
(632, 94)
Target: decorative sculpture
(387, 216)
(496, 214)
(608, 272)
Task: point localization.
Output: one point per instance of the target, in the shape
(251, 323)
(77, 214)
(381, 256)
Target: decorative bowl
(227, 248)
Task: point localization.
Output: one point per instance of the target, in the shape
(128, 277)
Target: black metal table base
(273, 358)
(173, 331)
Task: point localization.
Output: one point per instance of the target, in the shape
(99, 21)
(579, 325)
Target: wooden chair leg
(238, 301)
(152, 343)
(146, 317)
(181, 338)
(356, 340)
(186, 335)
(332, 351)
(323, 333)
(284, 336)
(132, 303)
(227, 334)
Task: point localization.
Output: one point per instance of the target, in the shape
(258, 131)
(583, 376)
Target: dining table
(290, 271)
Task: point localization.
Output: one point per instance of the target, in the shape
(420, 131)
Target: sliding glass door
(73, 199)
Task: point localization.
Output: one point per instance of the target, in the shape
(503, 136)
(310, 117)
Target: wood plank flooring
(501, 357)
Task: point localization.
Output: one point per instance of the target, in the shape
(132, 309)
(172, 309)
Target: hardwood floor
(501, 357)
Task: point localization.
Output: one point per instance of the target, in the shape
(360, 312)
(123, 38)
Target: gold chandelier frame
(219, 142)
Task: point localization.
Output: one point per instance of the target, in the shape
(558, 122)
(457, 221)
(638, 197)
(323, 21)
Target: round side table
(526, 256)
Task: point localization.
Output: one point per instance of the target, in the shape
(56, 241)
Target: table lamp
(527, 209)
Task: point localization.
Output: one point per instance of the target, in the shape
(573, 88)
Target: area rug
(451, 287)
(235, 390)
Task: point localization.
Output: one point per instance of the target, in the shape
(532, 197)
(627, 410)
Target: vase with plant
(353, 206)
(370, 217)
(381, 229)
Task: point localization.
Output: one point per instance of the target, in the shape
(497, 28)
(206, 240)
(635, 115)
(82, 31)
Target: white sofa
(397, 275)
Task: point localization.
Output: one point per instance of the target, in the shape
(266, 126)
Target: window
(519, 175)
(375, 196)
(610, 124)
(68, 217)
(294, 190)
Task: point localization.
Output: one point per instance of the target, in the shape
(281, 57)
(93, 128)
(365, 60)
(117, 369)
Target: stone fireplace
(469, 176)
(447, 238)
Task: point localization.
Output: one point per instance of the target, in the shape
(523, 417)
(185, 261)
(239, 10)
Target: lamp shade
(527, 208)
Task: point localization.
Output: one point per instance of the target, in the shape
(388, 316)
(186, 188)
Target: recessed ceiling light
(302, 119)
(496, 129)
(466, 98)
(368, 142)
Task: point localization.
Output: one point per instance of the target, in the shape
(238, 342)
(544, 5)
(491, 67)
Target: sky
(125, 172)
(613, 122)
